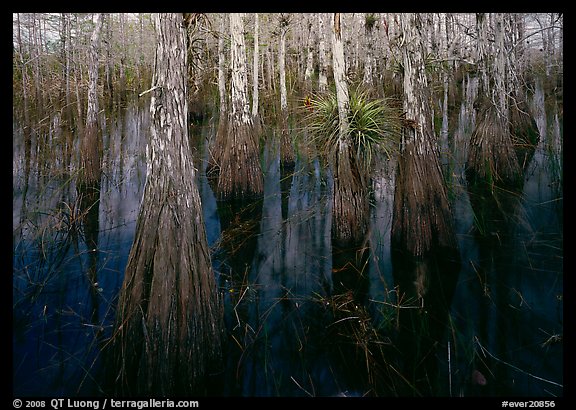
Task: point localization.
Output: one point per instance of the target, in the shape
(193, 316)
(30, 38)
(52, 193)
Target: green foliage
(374, 125)
(370, 21)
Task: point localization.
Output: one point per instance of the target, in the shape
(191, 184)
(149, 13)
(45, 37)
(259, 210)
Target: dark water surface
(296, 326)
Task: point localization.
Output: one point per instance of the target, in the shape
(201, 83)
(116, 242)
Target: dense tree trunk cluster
(503, 127)
(167, 338)
(422, 217)
(371, 41)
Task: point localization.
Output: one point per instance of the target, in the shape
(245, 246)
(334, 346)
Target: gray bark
(37, 58)
(368, 63)
(240, 173)
(482, 50)
(255, 68)
(282, 63)
(492, 158)
(422, 218)
(169, 321)
(122, 55)
(500, 90)
(339, 69)
(90, 156)
(350, 203)
(221, 133)
(92, 111)
(286, 149)
(239, 85)
(64, 59)
(109, 65)
(222, 69)
(77, 79)
(309, 53)
(270, 71)
(322, 61)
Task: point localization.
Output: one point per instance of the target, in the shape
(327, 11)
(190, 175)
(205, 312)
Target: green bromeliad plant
(374, 125)
(373, 128)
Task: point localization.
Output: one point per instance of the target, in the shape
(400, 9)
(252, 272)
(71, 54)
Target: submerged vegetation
(418, 253)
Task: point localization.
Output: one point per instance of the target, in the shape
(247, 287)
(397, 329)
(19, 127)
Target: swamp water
(296, 324)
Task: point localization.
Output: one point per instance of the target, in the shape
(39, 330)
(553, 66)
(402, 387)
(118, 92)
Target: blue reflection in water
(505, 319)
(56, 341)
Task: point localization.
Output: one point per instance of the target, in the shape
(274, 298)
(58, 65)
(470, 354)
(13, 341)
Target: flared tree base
(491, 158)
(240, 171)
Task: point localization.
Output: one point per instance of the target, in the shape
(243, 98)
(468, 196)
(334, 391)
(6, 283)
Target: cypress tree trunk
(482, 50)
(77, 80)
(255, 114)
(216, 152)
(322, 79)
(309, 54)
(64, 60)
(169, 322)
(270, 71)
(369, 21)
(522, 124)
(122, 87)
(425, 258)
(340, 81)
(109, 65)
(422, 216)
(91, 145)
(36, 57)
(286, 149)
(284, 21)
(350, 211)
(68, 68)
(491, 157)
(240, 172)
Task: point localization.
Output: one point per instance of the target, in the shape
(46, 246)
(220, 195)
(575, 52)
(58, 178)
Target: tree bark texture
(500, 90)
(37, 44)
(368, 63)
(77, 79)
(91, 144)
(491, 157)
(482, 49)
(322, 79)
(286, 149)
(240, 170)
(350, 211)
(422, 218)
(255, 69)
(169, 320)
(217, 150)
(340, 75)
(309, 53)
(282, 64)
